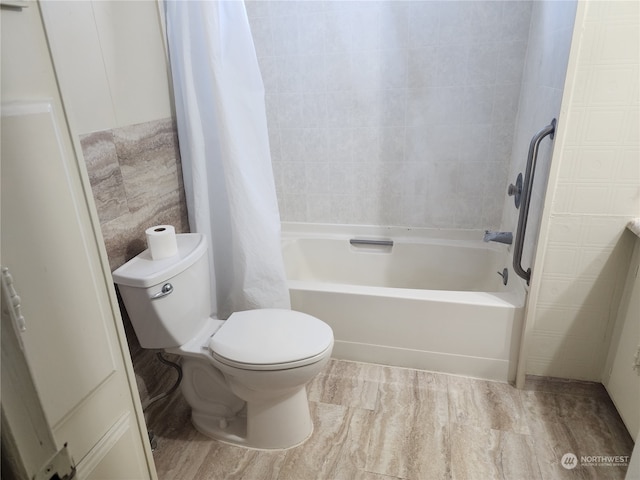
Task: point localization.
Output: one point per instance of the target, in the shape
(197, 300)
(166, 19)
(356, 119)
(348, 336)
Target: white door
(74, 342)
(622, 375)
(72, 339)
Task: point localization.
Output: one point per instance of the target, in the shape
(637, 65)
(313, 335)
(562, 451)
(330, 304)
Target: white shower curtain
(226, 164)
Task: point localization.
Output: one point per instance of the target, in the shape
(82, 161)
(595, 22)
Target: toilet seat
(271, 339)
(272, 366)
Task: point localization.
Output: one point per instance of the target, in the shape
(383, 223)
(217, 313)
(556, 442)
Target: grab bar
(525, 192)
(364, 241)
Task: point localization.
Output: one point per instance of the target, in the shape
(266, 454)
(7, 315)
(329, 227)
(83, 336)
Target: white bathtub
(433, 301)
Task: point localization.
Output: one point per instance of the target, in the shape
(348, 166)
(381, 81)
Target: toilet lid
(270, 337)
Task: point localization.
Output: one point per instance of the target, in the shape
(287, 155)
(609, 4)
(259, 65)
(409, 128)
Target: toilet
(243, 377)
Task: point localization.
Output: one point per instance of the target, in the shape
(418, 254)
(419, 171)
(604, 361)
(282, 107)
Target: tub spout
(500, 237)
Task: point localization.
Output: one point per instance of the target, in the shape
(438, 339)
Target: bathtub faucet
(500, 237)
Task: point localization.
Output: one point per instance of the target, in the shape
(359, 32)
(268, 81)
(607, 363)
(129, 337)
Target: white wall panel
(110, 61)
(75, 45)
(595, 191)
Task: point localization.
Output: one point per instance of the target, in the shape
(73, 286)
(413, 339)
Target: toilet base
(276, 424)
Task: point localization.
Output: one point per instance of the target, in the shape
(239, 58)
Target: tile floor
(376, 422)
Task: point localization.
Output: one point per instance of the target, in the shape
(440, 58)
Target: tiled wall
(136, 179)
(595, 185)
(540, 98)
(391, 112)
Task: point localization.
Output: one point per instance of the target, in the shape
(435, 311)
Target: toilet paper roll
(161, 241)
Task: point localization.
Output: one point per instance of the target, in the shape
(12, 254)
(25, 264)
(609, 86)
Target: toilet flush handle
(167, 288)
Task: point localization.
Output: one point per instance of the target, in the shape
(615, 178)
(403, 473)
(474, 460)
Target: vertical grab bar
(532, 158)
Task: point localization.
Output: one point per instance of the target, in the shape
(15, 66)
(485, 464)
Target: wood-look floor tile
(486, 404)
(410, 435)
(481, 454)
(575, 424)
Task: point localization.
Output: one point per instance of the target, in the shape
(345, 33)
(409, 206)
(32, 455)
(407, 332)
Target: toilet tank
(168, 301)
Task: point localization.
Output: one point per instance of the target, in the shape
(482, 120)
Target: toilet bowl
(243, 377)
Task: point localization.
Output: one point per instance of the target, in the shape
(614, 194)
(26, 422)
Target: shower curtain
(224, 145)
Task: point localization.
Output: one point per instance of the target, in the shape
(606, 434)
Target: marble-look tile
(136, 178)
(351, 384)
(410, 433)
(575, 424)
(432, 381)
(105, 176)
(364, 475)
(181, 448)
(333, 451)
(184, 459)
(150, 162)
(480, 454)
(227, 462)
(348, 369)
(416, 431)
(155, 377)
(356, 448)
(484, 404)
(420, 379)
(564, 386)
(185, 454)
(124, 237)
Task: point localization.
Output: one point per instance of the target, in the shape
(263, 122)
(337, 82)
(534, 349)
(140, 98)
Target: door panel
(47, 229)
(114, 456)
(71, 341)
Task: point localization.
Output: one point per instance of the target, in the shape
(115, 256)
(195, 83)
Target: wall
(110, 60)
(136, 179)
(540, 98)
(113, 73)
(391, 112)
(594, 190)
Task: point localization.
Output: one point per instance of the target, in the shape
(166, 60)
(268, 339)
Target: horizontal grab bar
(364, 241)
